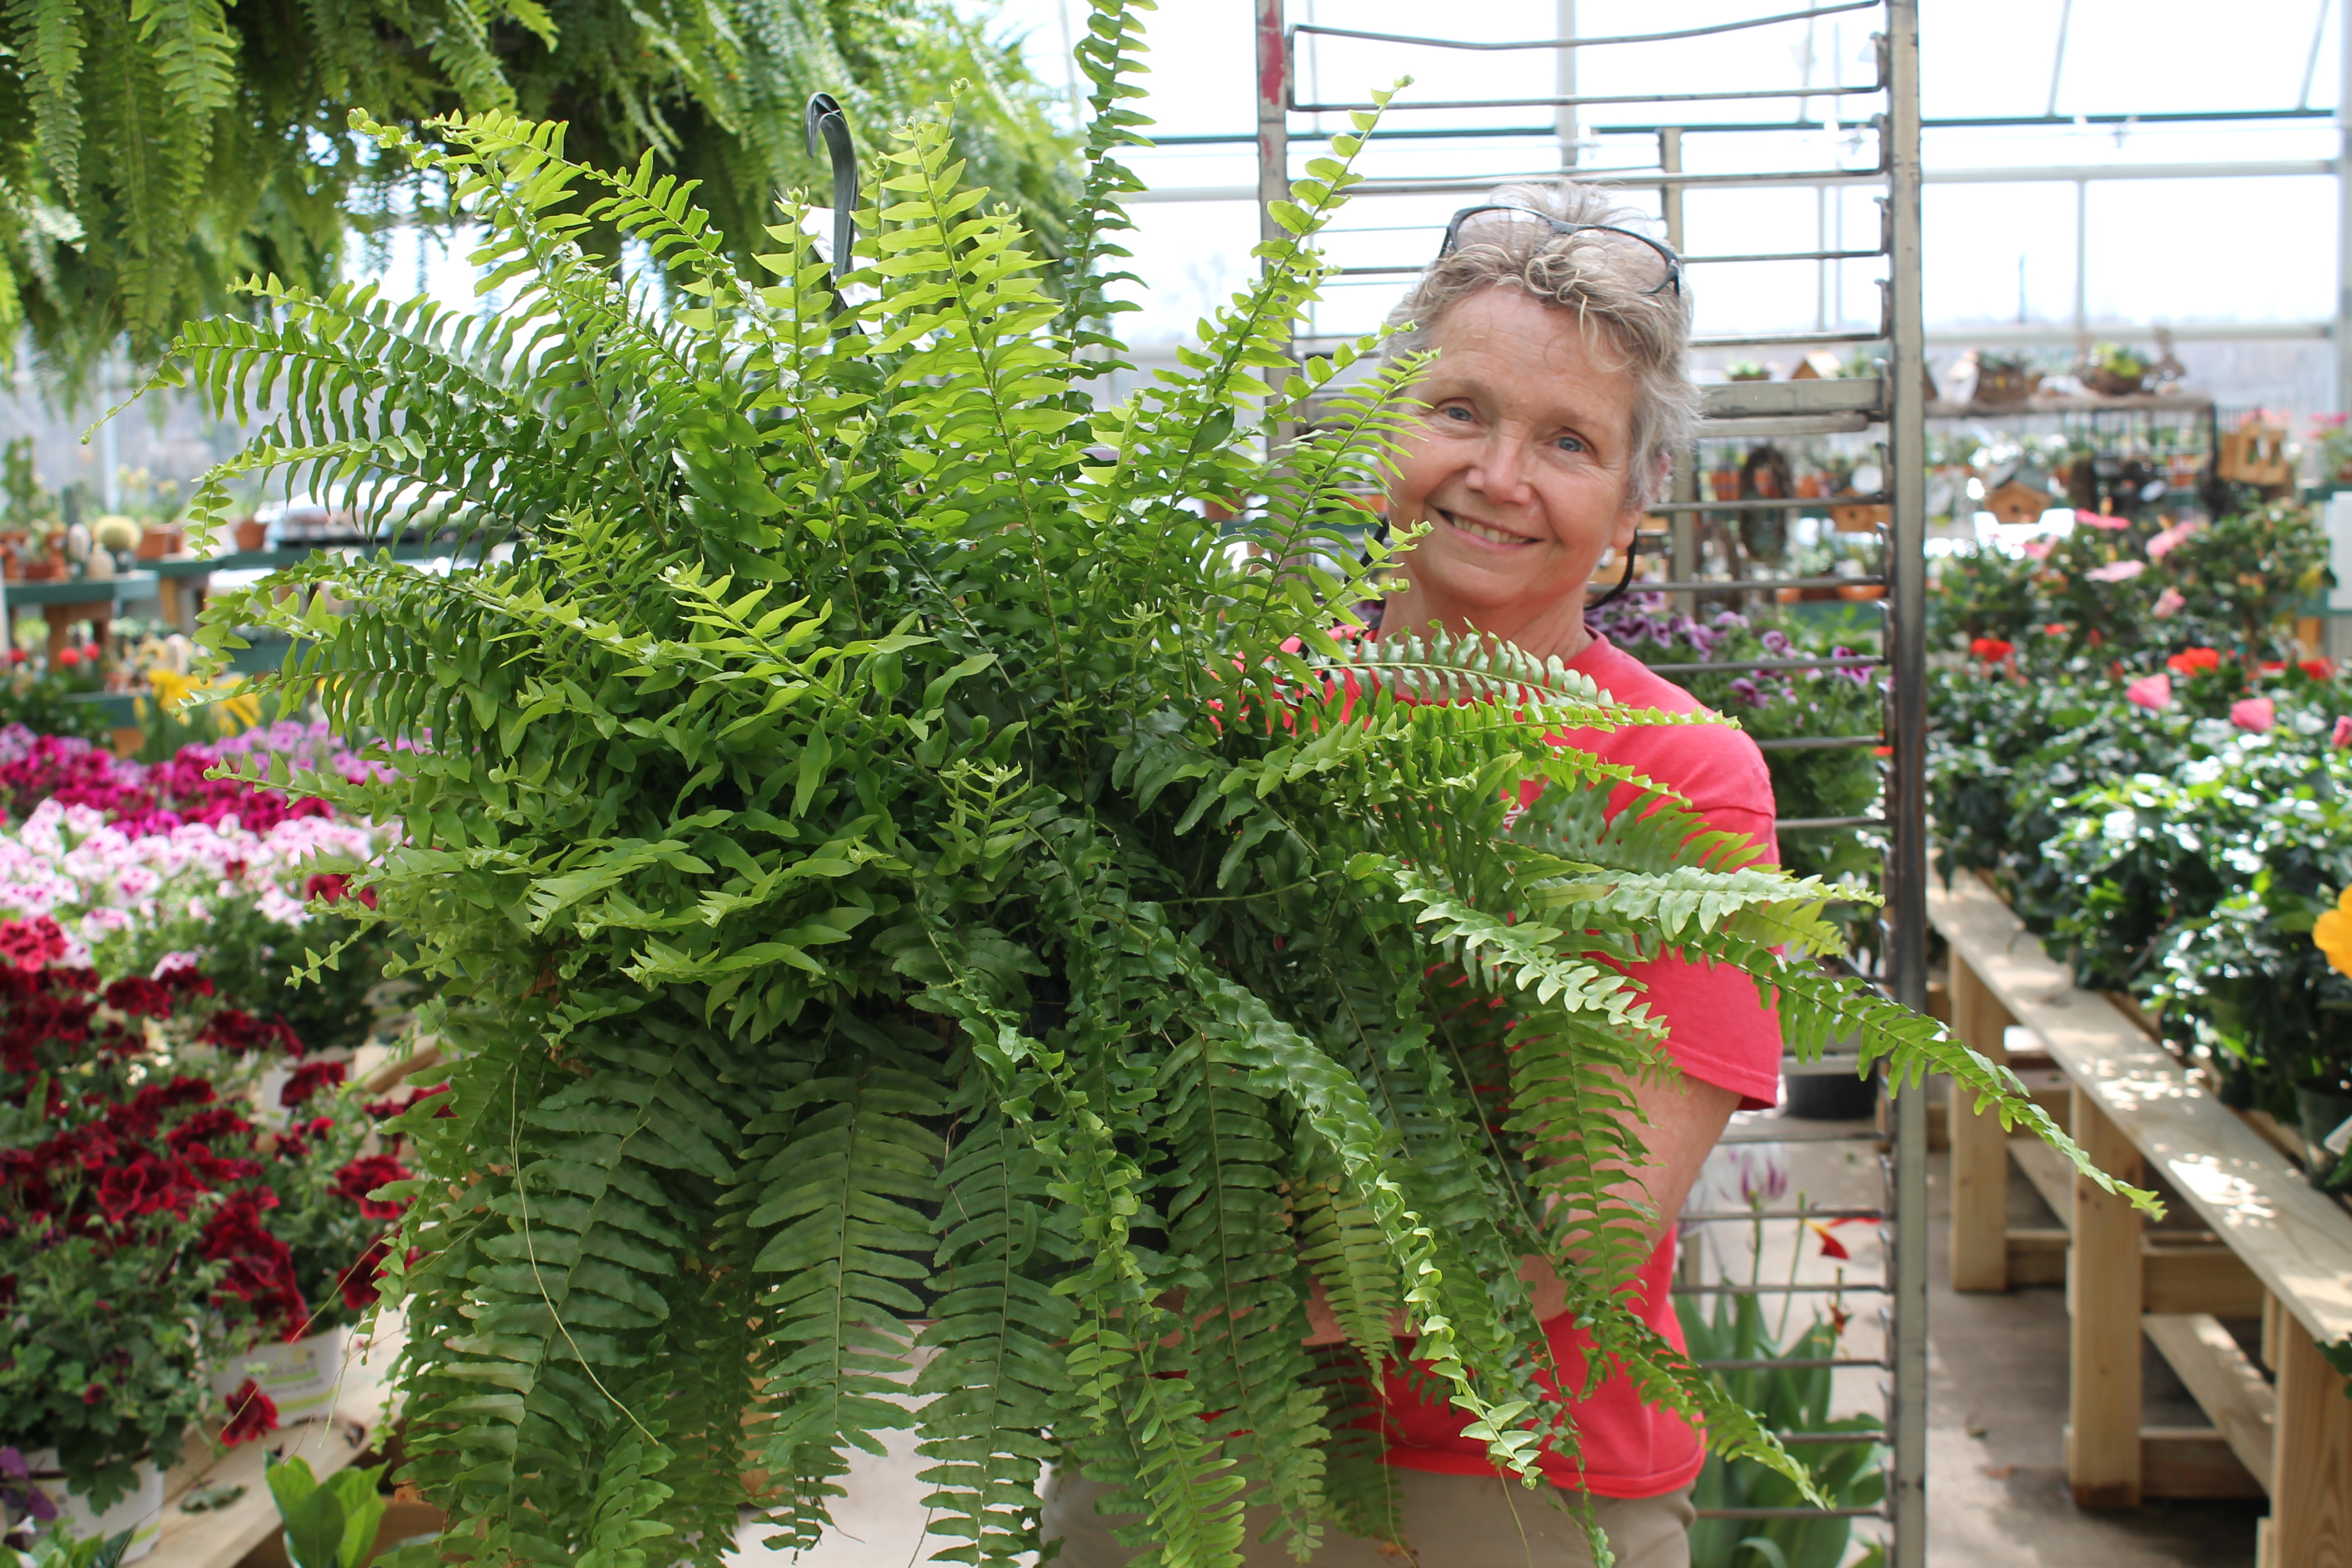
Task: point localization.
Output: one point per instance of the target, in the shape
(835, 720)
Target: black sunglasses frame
(1453, 239)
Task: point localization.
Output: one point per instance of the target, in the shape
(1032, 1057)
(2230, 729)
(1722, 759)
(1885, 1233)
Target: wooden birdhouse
(2003, 383)
(1819, 365)
(2017, 500)
(2254, 454)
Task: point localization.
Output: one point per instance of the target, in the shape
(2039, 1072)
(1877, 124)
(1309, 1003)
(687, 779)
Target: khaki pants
(1450, 1521)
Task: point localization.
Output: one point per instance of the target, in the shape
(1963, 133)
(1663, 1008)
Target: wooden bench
(2270, 1244)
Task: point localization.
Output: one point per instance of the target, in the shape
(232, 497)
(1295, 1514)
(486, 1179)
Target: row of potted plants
(2169, 812)
(190, 1212)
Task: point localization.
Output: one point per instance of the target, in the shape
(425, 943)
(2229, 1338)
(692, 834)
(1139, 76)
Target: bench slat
(2296, 1240)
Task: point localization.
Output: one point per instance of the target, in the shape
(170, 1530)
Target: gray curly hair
(1650, 331)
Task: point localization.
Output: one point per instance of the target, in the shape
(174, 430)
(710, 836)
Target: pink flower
(2255, 713)
(2162, 544)
(2343, 736)
(2038, 548)
(2168, 603)
(2092, 519)
(2150, 691)
(2120, 572)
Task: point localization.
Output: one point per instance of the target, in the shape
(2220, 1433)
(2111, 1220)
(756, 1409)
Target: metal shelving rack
(1894, 404)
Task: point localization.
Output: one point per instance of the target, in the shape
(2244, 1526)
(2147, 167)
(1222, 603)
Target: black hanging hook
(826, 118)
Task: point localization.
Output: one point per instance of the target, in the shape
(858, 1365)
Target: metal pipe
(1472, 133)
(1568, 101)
(1564, 83)
(1273, 119)
(1793, 1363)
(1670, 196)
(1711, 1216)
(2344, 228)
(1819, 743)
(1567, 42)
(1804, 823)
(1734, 665)
(1872, 1511)
(1905, 954)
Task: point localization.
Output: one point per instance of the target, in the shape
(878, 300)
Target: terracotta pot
(155, 543)
(44, 570)
(1862, 590)
(252, 533)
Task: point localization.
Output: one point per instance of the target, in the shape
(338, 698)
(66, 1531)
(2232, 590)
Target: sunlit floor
(1997, 1415)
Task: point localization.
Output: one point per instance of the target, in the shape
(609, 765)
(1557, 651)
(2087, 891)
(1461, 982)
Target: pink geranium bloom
(2162, 544)
(2120, 572)
(2170, 602)
(2038, 548)
(2092, 519)
(2255, 713)
(2343, 736)
(2150, 691)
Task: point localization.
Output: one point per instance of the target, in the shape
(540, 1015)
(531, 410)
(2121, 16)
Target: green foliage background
(893, 871)
(155, 152)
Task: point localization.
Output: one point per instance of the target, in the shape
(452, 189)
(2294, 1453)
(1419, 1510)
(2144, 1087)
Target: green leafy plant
(885, 856)
(152, 154)
(329, 1523)
(57, 1548)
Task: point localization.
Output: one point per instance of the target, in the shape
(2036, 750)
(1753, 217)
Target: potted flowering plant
(131, 1235)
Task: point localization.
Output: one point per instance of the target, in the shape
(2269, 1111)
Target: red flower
(93, 1393)
(309, 1079)
(2190, 660)
(141, 1187)
(261, 1269)
(185, 977)
(251, 1414)
(363, 1175)
(2317, 669)
(140, 997)
(31, 944)
(359, 1280)
(236, 1031)
(214, 1122)
(1992, 650)
(328, 885)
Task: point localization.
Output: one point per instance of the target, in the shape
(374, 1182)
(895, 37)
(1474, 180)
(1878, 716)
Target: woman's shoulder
(1717, 766)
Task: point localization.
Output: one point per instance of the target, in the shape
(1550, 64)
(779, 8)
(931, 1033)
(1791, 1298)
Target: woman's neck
(1556, 631)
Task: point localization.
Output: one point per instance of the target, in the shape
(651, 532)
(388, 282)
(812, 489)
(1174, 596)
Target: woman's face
(1523, 468)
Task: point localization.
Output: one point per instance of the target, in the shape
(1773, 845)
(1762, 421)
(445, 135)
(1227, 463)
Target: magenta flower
(2150, 691)
(2255, 713)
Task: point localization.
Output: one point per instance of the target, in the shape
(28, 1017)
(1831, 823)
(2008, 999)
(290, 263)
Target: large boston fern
(918, 910)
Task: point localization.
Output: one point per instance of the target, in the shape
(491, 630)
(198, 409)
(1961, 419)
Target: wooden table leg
(1979, 1146)
(2311, 1460)
(2104, 1296)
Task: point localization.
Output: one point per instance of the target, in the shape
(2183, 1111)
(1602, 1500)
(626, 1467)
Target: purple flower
(1748, 691)
(1731, 620)
(1776, 643)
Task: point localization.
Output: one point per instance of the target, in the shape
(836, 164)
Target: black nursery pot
(1835, 1097)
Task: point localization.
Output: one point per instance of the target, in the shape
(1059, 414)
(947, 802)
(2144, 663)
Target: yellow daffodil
(2333, 932)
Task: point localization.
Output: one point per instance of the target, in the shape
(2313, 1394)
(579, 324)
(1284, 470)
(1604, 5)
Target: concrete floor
(1997, 1412)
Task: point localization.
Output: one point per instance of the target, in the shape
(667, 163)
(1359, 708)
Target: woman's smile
(1485, 531)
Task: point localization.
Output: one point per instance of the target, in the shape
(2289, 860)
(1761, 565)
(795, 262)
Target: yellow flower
(2333, 932)
(171, 688)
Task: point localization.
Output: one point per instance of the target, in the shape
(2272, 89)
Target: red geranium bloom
(236, 1031)
(32, 944)
(214, 1121)
(141, 1187)
(2190, 660)
(309, 1079)
(384, 1109)
(329, 886)
(251, 1414)
(261, 1269)
(359, 1280)
(2317, 669)
(1992, 650)
(363, 1175)
(140, 997)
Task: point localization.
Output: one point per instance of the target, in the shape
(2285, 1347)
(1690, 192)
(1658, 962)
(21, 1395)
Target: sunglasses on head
(1643, 257)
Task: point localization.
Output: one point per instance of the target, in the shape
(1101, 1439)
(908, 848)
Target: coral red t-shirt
(1717, 1031)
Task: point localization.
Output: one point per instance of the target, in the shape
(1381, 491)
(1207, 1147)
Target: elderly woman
(1560, 387)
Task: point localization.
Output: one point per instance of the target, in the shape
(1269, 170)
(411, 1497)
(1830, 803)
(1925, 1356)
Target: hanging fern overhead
(905, 890)
(152, 153)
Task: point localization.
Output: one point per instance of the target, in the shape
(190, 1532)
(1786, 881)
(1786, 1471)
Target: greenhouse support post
(1907, 859)
(2343, 225)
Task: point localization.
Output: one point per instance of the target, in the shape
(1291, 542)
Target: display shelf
(270, 560)
(2076, 403)
(2273, 1243)
(221, 1537)
(111, 590)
